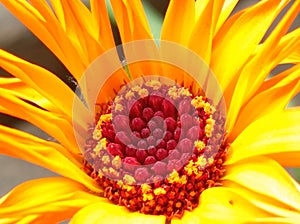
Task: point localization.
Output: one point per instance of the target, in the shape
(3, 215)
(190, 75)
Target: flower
(245, 182)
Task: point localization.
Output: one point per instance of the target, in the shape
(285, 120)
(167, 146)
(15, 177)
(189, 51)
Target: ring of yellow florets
(157, 169)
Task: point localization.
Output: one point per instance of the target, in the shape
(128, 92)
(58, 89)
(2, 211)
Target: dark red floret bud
(147, 113)
(155, 102)
(115, 149)
(136, 109)
(130, 151)
(149, 160)
(171, 124)
(168, 109)
(145, 133)
(137, 124)
(141, 155)
(171, 144)
(161, 154)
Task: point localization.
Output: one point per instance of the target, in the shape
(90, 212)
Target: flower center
(156, 148)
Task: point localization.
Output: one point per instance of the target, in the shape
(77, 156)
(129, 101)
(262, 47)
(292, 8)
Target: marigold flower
(144, 139)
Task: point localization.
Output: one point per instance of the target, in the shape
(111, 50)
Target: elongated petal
(239, 37)
(275, 136)
(100, 14)
(21, 90)
(40, 79)
(179, 21)
(131, 20)
(45, 26)
(264, 176)
(227, 9)
(276, 95)
(55, 198)
(269, 55)
(107, 213)
(202, 34)
(81, 28)
(56, 126)
(222, 205)
(275, 208)
(47, 154)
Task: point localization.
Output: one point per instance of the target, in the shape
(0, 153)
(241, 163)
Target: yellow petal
(107, 213)
(56, 126)
(294, 57)
(239, 37)
(268, 56)
(40, 79)
(49, 31)
(222, 205)
(274, 220)
(272, 97)
(179, 21)
(266, 177)
(275, 136)
(227, 9)
(275, 208)
(56, 198)
(44, 153)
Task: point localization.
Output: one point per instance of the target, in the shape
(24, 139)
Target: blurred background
(15, 38)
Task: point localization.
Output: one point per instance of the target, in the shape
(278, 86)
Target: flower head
(187, 129)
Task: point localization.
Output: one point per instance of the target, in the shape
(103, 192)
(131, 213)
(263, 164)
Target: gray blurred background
(15, 38)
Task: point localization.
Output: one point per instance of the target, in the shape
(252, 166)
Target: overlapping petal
(275, 135)
(266, 177)
(46, 200)
(40, 79)
(43, 153)
(268, 56)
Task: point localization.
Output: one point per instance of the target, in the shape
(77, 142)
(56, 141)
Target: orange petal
(19, 89)
(266, 177)
(55, 198)
(179, 21)
(273, 97)
(238, 38)
(44, 25)
(113, 214)
(40, 79)
(131, 20)
(82, 29)
(268, 56)
(100, 14)
(133, 25)
(275, 136)
(55, 125)
(222, 205)
(44, 153)
(201, 37)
